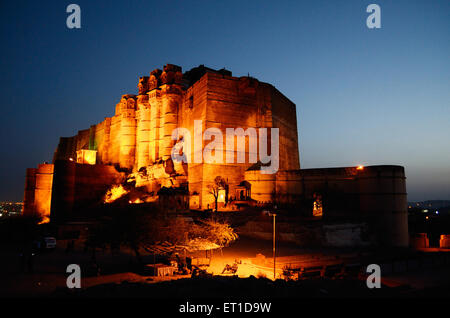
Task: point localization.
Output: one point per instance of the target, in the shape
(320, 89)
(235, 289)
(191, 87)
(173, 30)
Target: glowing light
(317, 206)
(199, 244)
(45, 219)
(427, 217)
(360, 167)
(86, 156)
(71, 159)
(116, 192)
(137, 201)
(221, 196)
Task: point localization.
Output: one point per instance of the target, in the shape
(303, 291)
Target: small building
(173, 200)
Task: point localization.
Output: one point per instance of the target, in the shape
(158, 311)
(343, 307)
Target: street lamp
(274, 245)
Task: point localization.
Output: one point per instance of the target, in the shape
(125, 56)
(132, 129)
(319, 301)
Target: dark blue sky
(363, 96)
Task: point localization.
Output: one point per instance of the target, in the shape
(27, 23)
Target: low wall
(313, 234)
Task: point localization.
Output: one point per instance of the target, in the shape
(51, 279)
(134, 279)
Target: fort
(214, 151)
(135, 147)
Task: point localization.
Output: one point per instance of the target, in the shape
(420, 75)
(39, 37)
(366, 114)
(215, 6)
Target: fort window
(191, 101)
(317, 205)
(85, 156)
(221, 196)
(243, 191)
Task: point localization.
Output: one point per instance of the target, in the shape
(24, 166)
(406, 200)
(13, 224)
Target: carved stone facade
(139, 135)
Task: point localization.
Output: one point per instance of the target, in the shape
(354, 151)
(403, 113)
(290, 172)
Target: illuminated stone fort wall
(56, 190)
(38, 190)
(139, 134)
(375, 194)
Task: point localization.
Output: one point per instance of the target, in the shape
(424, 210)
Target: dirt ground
(49, 268)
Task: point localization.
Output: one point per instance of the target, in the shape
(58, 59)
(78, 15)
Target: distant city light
(427, 217)
(425, 211)
(437, 212)
(360, 167)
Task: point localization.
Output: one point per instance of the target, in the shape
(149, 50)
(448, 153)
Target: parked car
(48, 242)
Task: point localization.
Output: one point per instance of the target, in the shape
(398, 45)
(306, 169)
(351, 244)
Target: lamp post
(274, 242)
(274, 245)
(274, 248)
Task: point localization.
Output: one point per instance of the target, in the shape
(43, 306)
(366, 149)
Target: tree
(19, 232)
(219, 184)
(220, 233)
(132, 228)
(210, 232)
(136, 229)
(98, 238)
(177, 231)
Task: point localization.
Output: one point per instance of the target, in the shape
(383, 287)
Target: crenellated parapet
(127, 105)
(154, 80)
(143, 85)
(157, 114)
(171, 74)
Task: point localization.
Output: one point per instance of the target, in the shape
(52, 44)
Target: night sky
(363, 96)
